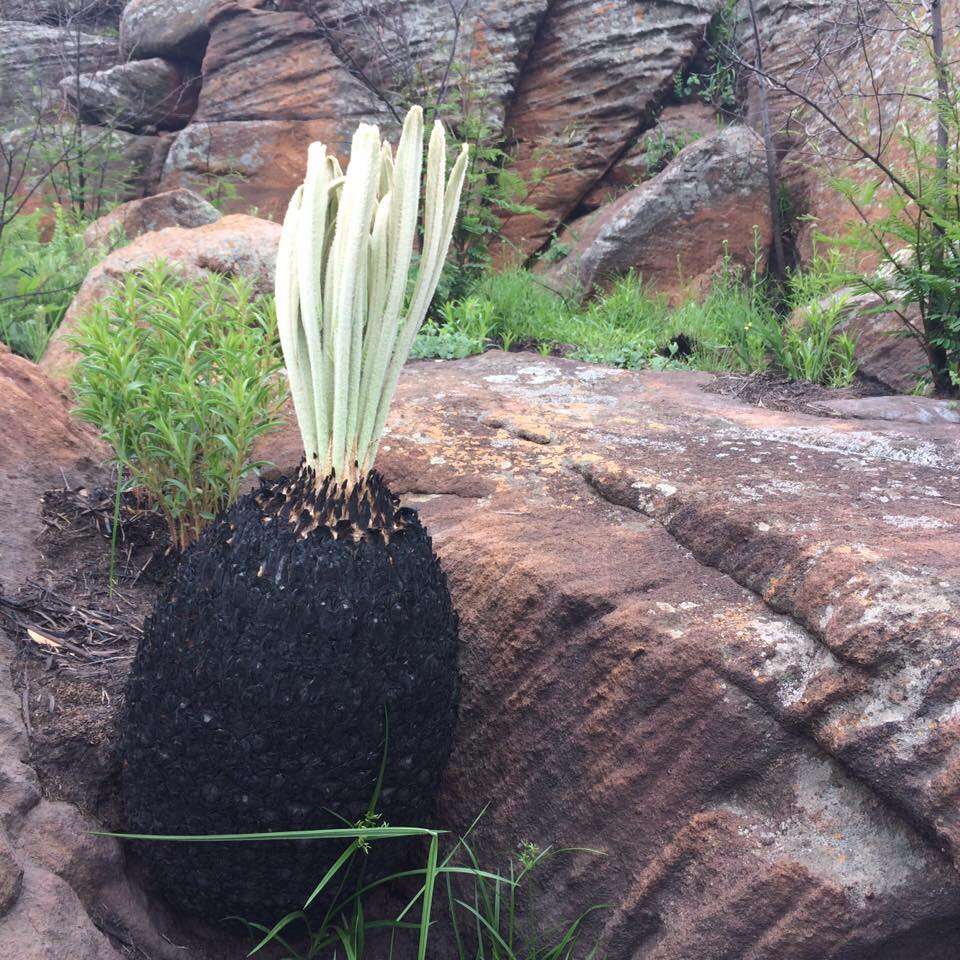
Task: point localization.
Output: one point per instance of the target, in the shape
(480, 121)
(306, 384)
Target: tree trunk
(779, 270)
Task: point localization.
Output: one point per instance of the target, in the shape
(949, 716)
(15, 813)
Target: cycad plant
(313, 614)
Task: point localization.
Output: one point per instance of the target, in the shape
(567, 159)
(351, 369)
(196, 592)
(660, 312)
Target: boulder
(236, 245)
(271, 86)
(495, 37)
(48, 922)
(11, 877)
(173, 208)
(677, 126)
(274, 80)
(675, 229)
(718, 642)
(596, 74)
(45, 435)
(142, 96)
(175, 29)
(34, 58)
(885, 351)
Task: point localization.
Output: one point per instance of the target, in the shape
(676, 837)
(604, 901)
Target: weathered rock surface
(271, 86)
(720, 642)
(34, 58)
(173, 208)
(885, 351)
(55, 12)
(898, 408)
(495, 37)
(39, 434)
(573, 83)
(677, 126)
(176, 29)
(42, 918)
(142, 96)
(592, 83)
(675, 228)
(233, 246)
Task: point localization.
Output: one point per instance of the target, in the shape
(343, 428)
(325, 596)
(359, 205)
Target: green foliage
(487, 913)
(39, 276)
(813, 350)
(916, 186)
(83, 168)
(719, 82)
(181, 378)
(463, 330)
(734, 328)
(219, 188)
(660, 148)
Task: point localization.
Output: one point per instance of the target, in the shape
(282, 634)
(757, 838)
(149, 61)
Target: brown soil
(77, 635)
(777, 392)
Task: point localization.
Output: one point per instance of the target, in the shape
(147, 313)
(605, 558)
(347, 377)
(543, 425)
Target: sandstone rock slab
(271, 86)
(34, 58)
(591, 83)
(675, 229)
(176, 29)
(141, 96)
(392, 40)
(897, 408)
(233, 246)
(719, 642)
(172, 208)
(11, 877)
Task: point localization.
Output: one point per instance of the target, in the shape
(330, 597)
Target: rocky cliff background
(223, 96)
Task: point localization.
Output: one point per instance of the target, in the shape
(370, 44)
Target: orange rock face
(718, 642)
(675, 229)
(271, 86)
(589, 86)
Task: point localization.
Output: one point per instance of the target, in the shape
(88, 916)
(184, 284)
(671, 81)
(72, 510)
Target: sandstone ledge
(717, 641)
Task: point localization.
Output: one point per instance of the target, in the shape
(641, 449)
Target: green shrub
(718, 83)
(736, 327)
(660, 149)
(463, 330)
(181, 377)
(38, 278)
(813, 350)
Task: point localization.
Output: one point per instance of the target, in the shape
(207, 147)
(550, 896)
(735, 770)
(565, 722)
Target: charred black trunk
(258, 695)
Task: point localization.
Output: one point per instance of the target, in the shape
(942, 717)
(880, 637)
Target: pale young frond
(346, 321)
